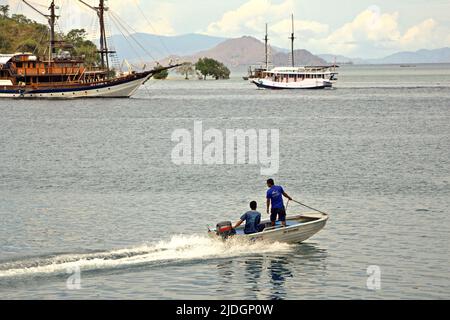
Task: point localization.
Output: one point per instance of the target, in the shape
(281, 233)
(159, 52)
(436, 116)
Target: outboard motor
(225, 229)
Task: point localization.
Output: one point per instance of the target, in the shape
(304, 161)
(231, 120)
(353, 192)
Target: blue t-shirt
(275, 194)
(252, 220)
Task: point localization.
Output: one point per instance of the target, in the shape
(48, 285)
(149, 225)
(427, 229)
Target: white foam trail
(179, 248)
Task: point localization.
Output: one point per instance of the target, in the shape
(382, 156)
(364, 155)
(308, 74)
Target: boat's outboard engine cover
(225, 229)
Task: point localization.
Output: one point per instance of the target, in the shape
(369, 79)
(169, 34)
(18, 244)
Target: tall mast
(51, 21)
(103, 42)
(292, 41)
(104, 51)
(266, 41)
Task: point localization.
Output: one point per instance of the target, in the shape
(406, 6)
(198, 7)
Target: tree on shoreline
(186, 69)
(210, 67)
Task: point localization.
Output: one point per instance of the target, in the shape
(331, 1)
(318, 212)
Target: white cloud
(370, 33)
(155, 21)
(73, 14)
(302, 27)
(380, 32)
(423, 35)
(250, 16)
(370, 27)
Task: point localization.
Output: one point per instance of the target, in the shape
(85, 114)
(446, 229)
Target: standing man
(275, 197)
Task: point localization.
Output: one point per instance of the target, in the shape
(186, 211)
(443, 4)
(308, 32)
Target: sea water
(93, 207)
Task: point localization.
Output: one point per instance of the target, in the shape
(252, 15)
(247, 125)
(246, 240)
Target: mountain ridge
(440, 55)
(239, 53)
(199, 45)
(161, 46)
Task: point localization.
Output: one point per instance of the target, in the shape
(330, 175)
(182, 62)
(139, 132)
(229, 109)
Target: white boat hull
(305, 84)
(120, 90)
(309, 225)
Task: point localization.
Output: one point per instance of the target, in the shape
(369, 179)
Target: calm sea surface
(90, 184)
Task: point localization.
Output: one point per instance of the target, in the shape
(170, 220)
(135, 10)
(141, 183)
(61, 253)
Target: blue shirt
(275, 194)
(252, 220)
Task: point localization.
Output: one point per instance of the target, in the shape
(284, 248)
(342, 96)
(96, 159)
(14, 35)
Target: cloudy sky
(357, 28)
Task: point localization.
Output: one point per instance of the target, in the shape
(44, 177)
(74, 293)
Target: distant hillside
(422, 56)
(162, 46)
(239, 53)
(236, 52)
(302, 57)
(18, 33)
(339, 59)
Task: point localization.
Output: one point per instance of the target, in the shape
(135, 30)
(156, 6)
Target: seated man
(252, 220)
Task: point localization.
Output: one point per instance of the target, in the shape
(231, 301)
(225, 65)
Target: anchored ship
(62, 76)
(305, 77)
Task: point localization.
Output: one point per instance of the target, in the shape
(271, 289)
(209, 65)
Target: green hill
(20, 34)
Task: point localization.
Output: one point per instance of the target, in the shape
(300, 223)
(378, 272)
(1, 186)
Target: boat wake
(176, 250)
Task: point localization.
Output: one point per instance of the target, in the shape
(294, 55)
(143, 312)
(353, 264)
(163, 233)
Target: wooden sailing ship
(25, 75)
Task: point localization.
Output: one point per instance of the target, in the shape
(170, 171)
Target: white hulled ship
(306, 77)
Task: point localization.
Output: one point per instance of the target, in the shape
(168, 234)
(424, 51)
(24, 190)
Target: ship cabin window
(19, 64)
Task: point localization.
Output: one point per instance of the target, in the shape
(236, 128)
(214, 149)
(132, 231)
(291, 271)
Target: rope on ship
(141, 11)
(119, 21)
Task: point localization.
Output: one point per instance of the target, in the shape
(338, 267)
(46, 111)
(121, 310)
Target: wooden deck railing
(46, 71)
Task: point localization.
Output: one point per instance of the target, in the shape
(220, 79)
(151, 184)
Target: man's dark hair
(253, 205)
(271, 182)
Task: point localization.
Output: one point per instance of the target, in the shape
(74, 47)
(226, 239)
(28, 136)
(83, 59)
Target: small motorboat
(298, 229)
